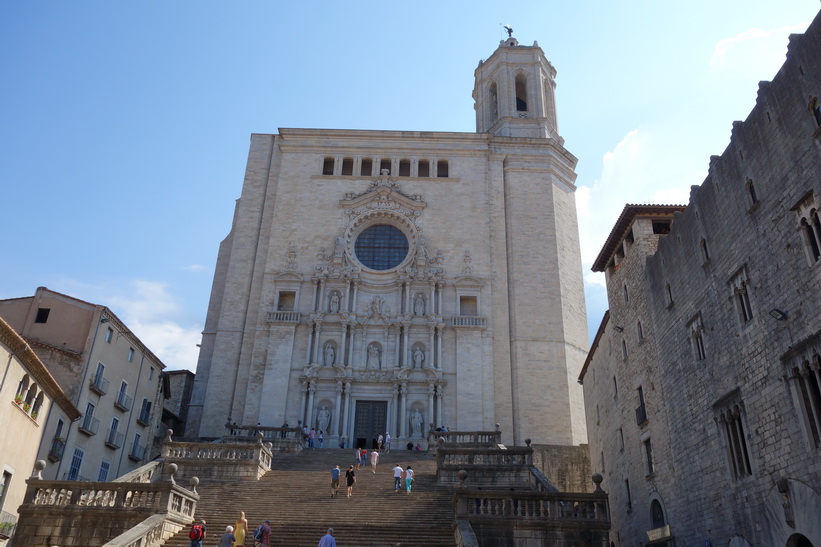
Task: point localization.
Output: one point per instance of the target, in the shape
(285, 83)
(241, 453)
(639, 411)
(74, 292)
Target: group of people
(234, 536)
(360, 459)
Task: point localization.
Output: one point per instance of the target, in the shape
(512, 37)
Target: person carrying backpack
(262, 535)
(197, 533)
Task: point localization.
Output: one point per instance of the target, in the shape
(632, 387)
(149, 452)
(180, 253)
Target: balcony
(89, 425)
(145, 418)
(99, 384)
(283, 317)
(114, 439)
(58, 445)
(137, 453)
(124, 402)
(8, 523)
(641, 415)
(469, 321)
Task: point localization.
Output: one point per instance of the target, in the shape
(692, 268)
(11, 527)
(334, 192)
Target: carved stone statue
(373, 357)
(419, 304)
(334, 305)
(416, 424)
(323, 419)
(330, 354)
(418, 358)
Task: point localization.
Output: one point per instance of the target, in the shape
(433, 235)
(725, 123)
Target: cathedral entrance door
(371, 418)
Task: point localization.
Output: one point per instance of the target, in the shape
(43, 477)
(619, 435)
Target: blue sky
(125, 125)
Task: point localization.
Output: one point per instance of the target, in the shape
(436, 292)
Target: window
(103, 475)
(661, 227)
(114, 438)
(521, 92)
(648, 456)
(137, 451)
(76, 463)
(151, 373)
(615, 388)
(697, 338)
(328, 166)
(124, 402)
(621, 440)
(424, 168)
(750, 187)
(442, 168)
(705, 252)
(741, 295)
(641, 410)
(468, 305)
(347, 166)
(657, 514)
(639, 331)
(731, 424)
(807, 217)
(381, 247)
(385, 165)
(806, 383)
(5, 483)
(42, 315)
(626, 294)
(627, 495)
(668, 295)
(286, 301)
(145, 413)
(404, 168)
(624, 350)
(366, 168)
(109, 334)
(130, 355)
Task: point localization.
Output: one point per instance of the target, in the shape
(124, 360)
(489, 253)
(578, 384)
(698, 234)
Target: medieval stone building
(703, 386)
(389, 281)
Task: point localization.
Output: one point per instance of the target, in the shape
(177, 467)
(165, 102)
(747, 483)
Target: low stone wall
(89, 514)
(218, 462)
(484, 467)
(566, 467)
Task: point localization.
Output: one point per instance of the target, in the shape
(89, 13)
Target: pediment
(384, 194)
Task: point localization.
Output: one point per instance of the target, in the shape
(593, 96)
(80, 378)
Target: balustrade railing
(469, 321)
(559, 508)
(283, 317)
(219, 461)
(485, 438)
(466, 457)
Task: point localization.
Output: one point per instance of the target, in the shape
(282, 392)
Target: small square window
(42, 315)
(109, 334)
(130, 355)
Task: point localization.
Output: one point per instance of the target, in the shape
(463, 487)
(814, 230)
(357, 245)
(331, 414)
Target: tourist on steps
(227, 539)
(374, 460)
(358, 457)
(397, 477)
(240, 530)
(328, 539)
(350, 478)
(335, 481)
(408, 479)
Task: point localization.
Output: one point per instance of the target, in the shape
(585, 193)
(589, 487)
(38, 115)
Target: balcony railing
(8, 523)
(469, 321)
(114, 439)
(99, 384)
(58, 444)
(90, 425)
(641, 415)
(124, 402)
(137, 453)
(283, 317)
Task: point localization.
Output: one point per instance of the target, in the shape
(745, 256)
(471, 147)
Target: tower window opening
(521, 93)
(383, 165)
(404, 168)
(328, 166)
(442, 168)
(424, 168)
(347, 166)
(367, 167)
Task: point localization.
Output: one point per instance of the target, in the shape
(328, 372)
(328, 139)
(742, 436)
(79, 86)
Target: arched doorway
(799, 540)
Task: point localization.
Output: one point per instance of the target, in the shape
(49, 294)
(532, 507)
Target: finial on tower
(509, 31)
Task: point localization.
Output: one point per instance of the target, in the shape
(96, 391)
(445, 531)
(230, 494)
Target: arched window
(521, 93)
(424, 168)
(404, 168)
(347, 166)
(493, 98)
(442, 168)
(751, 191)
(383, 165)
(705, 252)
(657, 514)
(366, 168)
(810, 232)
(328, 166)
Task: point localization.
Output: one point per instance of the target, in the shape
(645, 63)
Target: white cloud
(194, 268)
(754, 51)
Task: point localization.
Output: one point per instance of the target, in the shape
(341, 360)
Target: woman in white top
(408, 479)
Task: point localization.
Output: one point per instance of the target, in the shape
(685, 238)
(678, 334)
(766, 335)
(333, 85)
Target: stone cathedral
(390, 281)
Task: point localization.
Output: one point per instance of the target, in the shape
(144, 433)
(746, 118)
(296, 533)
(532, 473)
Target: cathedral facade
(388, 281)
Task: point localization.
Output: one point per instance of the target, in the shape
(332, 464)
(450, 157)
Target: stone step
(295, 497)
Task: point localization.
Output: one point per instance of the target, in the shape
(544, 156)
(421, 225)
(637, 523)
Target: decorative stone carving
(374, 360)
(467, 269)
(416, 423)
(419, 304)
(333, 304)
(323, 418)
(290, 265)
(330, 354)
(418, 357)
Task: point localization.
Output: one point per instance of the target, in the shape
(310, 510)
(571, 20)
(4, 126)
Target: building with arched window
(388, 281)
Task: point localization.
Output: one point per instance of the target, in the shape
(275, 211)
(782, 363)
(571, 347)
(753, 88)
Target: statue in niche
(419, 304)
(418, 357)
(323, 419)
(416, 423)
(330, 354)
(373, 357)
(334, 305)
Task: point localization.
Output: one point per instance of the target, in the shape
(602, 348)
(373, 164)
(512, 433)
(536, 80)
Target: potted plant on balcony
(6, 529)
(18, 399)
(34, 414)
(26, 407)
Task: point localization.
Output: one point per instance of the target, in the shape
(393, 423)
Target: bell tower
(514, 92)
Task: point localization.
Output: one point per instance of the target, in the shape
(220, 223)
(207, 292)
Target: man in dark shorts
(334, 481)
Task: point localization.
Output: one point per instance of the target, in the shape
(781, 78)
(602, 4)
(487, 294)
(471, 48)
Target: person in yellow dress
(240, 530)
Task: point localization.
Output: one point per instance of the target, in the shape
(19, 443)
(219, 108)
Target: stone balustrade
(87, 513)
(485, 467)
(218, 461)
(151, 532)
(466, 438)
(145, 473)
(587, 511)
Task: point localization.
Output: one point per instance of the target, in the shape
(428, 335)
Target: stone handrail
(283, 317)
(469, 321)
(588, 511)
(249, 432)
(159, 497)
(478, 438)
(224, 461)
(463, 534)
(144, 473)
(539, 483)
(151, 532)
(465, 457)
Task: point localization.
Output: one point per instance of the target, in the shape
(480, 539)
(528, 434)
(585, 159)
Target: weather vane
(509, 31)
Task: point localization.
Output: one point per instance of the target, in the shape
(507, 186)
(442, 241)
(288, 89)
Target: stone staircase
(295, 497)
